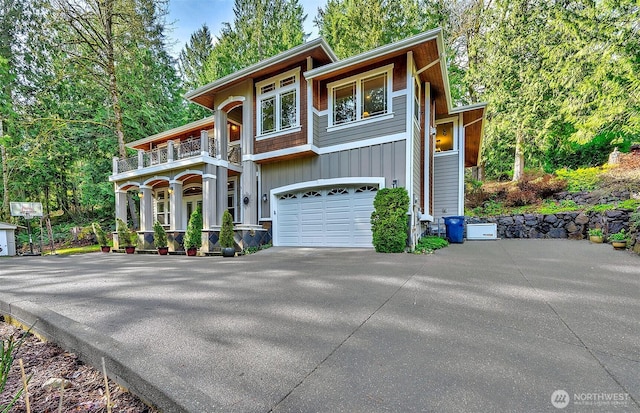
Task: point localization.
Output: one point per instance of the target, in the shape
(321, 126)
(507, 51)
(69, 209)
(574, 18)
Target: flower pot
(163, 250)
(130, 250)
(228, 252)
(619, 245)
(191, 252)
(105, 248)
(596, 239)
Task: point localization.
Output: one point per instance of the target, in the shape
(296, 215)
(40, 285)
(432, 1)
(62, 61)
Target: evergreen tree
(194, 56)
(261, 29)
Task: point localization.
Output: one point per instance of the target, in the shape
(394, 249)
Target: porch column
(220, 133)
(204, 142)
(222, 191)
(121, 205)
(175, 205)
(248, 180)
(170, 151)
(146, 209)
(140, 159)
(209, 200)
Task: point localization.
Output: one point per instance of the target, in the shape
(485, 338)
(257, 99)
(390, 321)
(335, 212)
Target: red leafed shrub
(542, 185)
(518, 197)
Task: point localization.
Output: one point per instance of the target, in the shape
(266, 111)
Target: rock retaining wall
(572, 225)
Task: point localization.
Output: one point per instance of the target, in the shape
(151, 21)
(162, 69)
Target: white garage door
(338, 216)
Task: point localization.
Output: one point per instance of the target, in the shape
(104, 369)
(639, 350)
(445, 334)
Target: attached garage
(332, 216)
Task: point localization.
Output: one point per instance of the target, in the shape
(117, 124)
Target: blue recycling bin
(455, 229)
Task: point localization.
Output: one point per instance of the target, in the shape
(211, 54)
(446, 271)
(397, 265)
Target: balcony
(173, 152)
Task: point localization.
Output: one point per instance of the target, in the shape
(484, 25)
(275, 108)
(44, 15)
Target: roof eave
(260, 65)
(375, 53)
(175, 131)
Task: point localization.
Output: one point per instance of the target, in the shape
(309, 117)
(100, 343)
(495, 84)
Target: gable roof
(317, 48)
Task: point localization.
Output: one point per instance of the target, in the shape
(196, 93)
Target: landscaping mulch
(43, 361)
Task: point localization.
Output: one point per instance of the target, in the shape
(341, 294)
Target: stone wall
(593, 198)
(572, 225)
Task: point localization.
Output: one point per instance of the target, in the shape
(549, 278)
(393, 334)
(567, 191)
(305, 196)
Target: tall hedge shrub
(193, 237)
(389, 220)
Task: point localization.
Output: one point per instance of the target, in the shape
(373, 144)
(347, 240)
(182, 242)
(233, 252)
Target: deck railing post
(170, 151)
(140, 159)
(115, 165)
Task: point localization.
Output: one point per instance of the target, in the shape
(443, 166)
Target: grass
(77, 250)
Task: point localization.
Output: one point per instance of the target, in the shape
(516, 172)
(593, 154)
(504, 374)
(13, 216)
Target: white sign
(26, 209)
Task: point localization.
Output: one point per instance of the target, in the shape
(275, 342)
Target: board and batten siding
(446, 176)
(417, 163)
(385, 160)
(359, 131)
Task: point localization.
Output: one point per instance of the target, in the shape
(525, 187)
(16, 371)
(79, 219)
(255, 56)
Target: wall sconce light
(170, 191)
(264, 197)
(140, 195)
(245, 200)
(394, 184)
(234, 127)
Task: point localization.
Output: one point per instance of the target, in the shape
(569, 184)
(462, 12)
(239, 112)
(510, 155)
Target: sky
(187, 16)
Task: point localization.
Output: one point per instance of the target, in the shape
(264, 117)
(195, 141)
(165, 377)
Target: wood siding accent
(357, 131)
(287, 140)
(446, 177)
(385, 160)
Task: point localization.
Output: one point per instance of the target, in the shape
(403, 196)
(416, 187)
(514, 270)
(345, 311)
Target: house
(299, 143)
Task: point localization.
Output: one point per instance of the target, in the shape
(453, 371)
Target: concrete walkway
(482, 326)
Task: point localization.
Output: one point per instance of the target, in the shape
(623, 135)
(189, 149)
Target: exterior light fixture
(395, 183)
(264, 197)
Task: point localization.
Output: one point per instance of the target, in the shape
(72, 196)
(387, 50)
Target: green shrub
(581, 179)
(101, 237)
(193, 237)
(427, 245)
(226, 231)
(618, 236)
(389, 220)
(595, 232)
(159, 235)
(126, 237)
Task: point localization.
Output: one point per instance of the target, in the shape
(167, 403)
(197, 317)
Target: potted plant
(619, 240)
(127, 238)
(596, 236)
(226, 235)
(101, 237)
(160, 238)
(193, 237)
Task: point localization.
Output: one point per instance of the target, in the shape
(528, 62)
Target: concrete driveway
(483, 326)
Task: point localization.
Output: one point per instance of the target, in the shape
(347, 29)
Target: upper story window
(360, 97)
(446, 136)
(278, 103)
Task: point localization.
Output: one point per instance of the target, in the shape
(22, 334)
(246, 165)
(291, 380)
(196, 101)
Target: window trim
(358, 79)
(278, 92)
(456, 138)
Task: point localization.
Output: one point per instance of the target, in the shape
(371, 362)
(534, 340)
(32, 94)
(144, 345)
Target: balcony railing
(173, 152)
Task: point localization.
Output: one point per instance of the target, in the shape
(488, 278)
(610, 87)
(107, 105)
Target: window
(278, 103)
(162, 208)
(445, 137)
(360, 97)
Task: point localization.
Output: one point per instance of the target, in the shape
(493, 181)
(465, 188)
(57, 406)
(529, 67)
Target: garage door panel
(336, 216)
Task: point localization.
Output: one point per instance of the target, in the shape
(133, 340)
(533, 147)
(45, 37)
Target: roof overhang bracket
(429, 66)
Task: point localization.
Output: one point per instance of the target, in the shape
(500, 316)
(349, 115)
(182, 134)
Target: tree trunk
(518, 165)
(5, 213)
